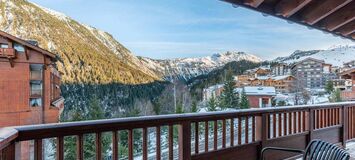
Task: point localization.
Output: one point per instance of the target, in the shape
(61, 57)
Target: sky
(165, 29)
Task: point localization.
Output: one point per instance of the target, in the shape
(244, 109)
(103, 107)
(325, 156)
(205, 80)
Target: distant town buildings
(263, 83)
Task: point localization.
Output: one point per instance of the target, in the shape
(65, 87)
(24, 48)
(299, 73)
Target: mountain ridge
(335, 55)
(187, 68)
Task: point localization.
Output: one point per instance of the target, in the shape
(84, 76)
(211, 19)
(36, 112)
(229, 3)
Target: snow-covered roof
(276, 78)
(263, 77)
(281, 77)
(260, 90)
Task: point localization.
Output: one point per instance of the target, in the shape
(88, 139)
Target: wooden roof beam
(287, 8)
(347, 29)
(253, 3)
(339, 18)
(323, 9)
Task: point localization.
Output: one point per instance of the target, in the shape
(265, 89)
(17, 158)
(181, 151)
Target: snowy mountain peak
(335, 55)
(54, 13)
(186, 68)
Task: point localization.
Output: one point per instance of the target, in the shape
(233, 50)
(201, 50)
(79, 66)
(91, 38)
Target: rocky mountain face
(187, 68)
(335, 55)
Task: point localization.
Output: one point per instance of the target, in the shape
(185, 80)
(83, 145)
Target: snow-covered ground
(290, 99)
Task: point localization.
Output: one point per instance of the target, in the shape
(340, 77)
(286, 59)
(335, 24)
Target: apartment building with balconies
(29, 83)
(311, 73)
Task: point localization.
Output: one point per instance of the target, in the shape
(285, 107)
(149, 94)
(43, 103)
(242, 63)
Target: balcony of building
(348, 95)
(7, 53)
(237, 135)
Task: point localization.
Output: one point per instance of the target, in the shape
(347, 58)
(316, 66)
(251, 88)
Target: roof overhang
(348, 73)
(27, 44)
(331, 16)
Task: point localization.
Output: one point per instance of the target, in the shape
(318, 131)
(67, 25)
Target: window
(36, 88)
(36, 102)
(19, 47)
(4, 45)
(36, 71)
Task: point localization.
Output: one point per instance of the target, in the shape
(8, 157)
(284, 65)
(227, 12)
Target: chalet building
(29, 83)
(281, 69)
(282, 84)
(339, 84)
(260, 96)
(261, 71)
(242, 80)
(349, 94)
(311, 73)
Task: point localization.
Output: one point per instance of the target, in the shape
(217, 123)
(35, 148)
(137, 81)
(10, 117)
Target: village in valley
(309, 81)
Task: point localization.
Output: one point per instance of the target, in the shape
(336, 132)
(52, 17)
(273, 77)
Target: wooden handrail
(7, 135)
(248, 129)
(70, 128)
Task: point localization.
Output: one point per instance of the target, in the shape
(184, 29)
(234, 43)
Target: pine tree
(212, 104)
(336, 96)
(95, 111)
(244, 102)
(157, 108)
(329, 87)
(228, 98)
(194, 107)
(179, 109)
(281, 103)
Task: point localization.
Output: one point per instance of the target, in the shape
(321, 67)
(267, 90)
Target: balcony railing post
(263, 131)
(185, 141)
(310, 125)
(344, 130)
(8, 153)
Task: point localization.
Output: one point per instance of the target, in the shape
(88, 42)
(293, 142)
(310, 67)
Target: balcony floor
(351, 149)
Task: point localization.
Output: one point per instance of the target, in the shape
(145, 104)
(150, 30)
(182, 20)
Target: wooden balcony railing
(7, 53)
(236, 135)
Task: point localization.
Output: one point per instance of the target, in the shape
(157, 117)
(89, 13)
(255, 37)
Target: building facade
(349, 93)
(281, 69)
(212, 91)
(29, 84)
(311, 73)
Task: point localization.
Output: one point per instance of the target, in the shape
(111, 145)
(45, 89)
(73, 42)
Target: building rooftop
(260, 90)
